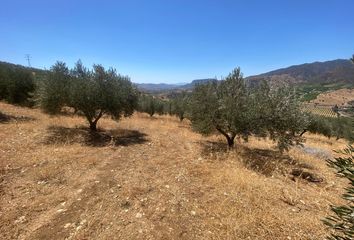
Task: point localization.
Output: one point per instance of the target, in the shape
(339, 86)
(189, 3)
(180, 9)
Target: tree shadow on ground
(212, 147)
(119, 137)
(264, 161)
(267, 161)
(5, 118)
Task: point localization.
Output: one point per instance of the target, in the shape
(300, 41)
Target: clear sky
(176, 41)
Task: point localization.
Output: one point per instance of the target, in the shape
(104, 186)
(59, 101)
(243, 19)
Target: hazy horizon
(178, 41)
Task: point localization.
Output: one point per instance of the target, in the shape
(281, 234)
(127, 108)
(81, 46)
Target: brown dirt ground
(153, 178)
(340, 97)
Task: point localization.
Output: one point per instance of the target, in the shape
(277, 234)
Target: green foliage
(91, 93)
(342, 127)
(151, 105)
(180, 105)
(339, 127)
(55, 88)
(342, 219)
(16, 85)
(237, 110)
(279, 115)
(319, 125)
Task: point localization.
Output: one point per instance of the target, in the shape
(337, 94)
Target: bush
(342, 219)
(92, 93)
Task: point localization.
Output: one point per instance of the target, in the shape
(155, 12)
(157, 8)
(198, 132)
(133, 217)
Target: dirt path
(137, 191)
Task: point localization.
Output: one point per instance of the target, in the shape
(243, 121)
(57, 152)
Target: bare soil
(339, 97)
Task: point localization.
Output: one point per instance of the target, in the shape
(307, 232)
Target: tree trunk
(93, 126)
(230, 139)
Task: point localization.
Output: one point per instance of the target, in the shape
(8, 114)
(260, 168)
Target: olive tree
(318, 125)
(150, 105)
(92, 93)
(278, 113)
(180, 105)
(222, 107)
(236, 109)
(17, 85)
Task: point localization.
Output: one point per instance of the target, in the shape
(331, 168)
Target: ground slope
(152, 178)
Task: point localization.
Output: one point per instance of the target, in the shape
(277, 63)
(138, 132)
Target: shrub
(342, 219)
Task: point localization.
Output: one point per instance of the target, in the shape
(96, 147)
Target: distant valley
(339, 72)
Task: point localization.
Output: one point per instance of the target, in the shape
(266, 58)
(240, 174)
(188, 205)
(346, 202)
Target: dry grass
(340, 97)
(152, 178)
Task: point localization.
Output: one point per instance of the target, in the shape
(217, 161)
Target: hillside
(153, 178)
(6, 65)
(334, 74)
(338, 71)
(163, 87)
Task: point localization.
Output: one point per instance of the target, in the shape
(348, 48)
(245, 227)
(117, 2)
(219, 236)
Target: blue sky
(177, 41)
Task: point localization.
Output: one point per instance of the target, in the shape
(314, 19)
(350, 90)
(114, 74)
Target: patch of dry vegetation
(153, 178)
(339, 97)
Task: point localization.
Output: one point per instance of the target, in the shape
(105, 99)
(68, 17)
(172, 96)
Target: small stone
(97, 181)
(139, 215)
(79, 190)
(193, 213)
(67, 225)
(167, 186)
(21, 219)
(61, 210)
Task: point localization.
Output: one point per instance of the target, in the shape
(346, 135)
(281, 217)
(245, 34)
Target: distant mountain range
(336, 71)
(160, 87)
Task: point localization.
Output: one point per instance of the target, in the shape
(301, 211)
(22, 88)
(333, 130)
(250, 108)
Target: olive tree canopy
(236, 109)
(93, 93)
